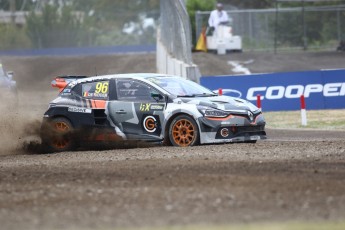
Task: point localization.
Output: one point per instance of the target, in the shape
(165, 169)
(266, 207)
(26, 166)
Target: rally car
(149, 107)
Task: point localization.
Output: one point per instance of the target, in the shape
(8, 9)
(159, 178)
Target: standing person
(218, 17)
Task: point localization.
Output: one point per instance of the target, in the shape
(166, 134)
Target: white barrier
(166, 64)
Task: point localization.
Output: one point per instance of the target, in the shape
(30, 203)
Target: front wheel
(57, 135)
(183, 131)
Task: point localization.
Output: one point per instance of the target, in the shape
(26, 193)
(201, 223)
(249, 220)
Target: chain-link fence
(174, 54)
(285, 28)
(44, 24)
(175, 29)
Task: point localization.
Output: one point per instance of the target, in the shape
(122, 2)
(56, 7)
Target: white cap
(219, 5)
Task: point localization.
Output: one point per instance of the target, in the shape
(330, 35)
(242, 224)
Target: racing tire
(183, 131)
(57, 135)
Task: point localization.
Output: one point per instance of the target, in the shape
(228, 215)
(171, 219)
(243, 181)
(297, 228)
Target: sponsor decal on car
(145, 107)
(149, 124)
(97, 90)
(79, 110)
(66, 92)
(95, 95)
(157, 107)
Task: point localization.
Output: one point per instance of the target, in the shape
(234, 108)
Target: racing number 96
(102, 87)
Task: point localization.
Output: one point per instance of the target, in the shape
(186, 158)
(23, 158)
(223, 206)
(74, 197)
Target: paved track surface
(294, 175)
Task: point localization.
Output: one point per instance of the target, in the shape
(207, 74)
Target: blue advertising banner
(77, 51)
(323, 89)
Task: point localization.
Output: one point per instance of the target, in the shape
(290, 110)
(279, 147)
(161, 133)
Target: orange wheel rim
(61, 127)
(183, 132)
(60, 141)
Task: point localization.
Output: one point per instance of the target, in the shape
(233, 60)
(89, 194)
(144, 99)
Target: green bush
(54, 27)
(13, 37)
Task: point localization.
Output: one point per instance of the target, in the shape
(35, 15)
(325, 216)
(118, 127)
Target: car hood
(222, 102)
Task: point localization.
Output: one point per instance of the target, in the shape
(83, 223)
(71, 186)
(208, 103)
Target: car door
(135, 113)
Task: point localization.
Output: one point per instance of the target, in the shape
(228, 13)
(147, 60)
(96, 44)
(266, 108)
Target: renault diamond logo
(250, 115)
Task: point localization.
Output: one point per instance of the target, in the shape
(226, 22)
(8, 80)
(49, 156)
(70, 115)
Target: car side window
(98, 90)
(133, 90)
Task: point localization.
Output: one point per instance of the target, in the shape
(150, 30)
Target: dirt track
(281, 179)
(295, 175)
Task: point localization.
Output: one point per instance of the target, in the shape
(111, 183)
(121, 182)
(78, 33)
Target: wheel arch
(61, 116)
(168, 122)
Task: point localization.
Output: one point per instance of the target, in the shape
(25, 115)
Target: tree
(107, 19)
(250, 4)
(12, 37)
(320, 27)
(54, 28)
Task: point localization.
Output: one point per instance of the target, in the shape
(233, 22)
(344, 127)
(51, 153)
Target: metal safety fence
(312, 28)
(45, 24)
(174, 41)
(175, 29)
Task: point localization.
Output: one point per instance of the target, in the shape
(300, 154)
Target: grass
(317, 119)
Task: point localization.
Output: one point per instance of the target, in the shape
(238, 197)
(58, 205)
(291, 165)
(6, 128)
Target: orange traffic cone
(201, 44)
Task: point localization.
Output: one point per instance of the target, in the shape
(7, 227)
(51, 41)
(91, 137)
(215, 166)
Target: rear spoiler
(61, 81)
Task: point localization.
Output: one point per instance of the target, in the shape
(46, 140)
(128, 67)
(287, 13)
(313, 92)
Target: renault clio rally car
(149, 107)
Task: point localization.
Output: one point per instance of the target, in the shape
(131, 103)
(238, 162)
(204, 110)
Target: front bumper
(233, 129)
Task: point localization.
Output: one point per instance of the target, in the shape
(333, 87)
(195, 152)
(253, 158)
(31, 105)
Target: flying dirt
(19, 130)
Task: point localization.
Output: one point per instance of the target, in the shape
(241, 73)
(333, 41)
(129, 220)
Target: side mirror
(156, 96)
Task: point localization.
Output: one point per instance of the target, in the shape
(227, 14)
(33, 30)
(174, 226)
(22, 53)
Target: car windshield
(180, 87)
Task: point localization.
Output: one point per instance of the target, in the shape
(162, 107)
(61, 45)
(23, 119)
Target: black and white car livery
(149, 107)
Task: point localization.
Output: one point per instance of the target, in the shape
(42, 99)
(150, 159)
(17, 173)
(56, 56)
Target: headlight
(210, 112)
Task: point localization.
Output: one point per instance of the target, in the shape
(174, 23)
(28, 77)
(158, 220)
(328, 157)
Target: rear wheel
(183, 131)
(57, 135)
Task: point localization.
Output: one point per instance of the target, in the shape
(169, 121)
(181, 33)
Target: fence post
(276, 29)
(338, 25)
(305, 44)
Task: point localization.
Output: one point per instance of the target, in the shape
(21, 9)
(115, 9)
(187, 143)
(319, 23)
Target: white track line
(239, 68)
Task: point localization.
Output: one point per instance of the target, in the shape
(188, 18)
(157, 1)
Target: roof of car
(127, 75)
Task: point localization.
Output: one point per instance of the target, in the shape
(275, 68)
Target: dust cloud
(20, 120)
(17, 129)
